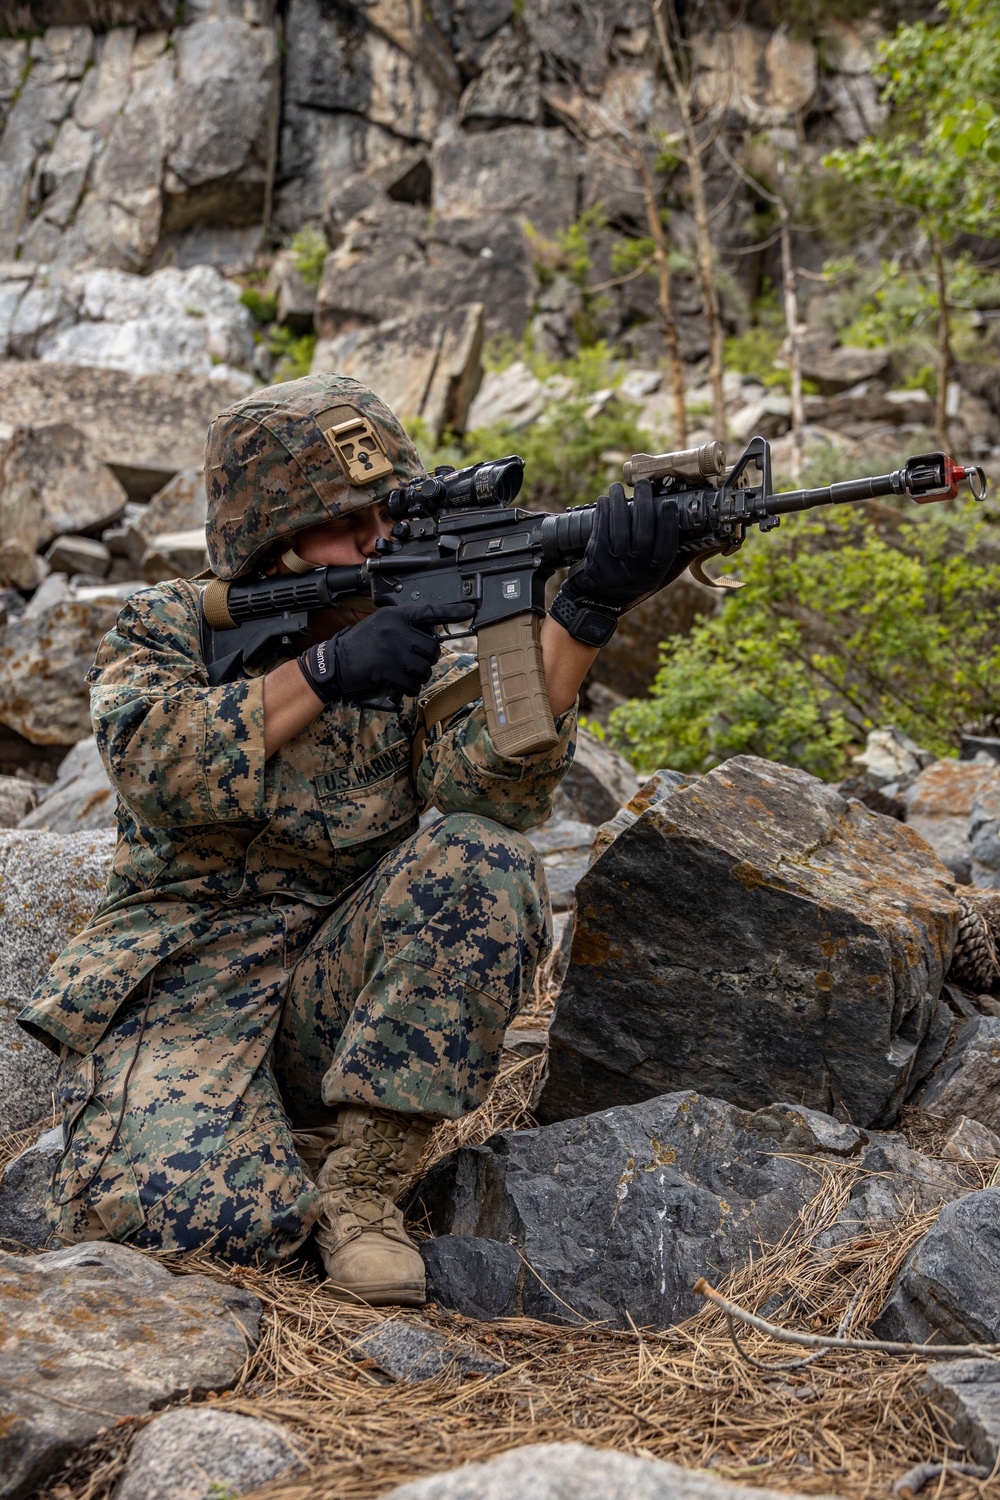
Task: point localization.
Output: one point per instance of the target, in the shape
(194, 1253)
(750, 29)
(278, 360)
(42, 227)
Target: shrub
(309, 251)
(840, 629)
(263, 305)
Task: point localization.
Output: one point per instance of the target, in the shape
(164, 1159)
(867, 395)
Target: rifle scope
(495, 483)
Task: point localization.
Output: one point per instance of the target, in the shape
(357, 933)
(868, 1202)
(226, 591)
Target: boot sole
(380, 1296)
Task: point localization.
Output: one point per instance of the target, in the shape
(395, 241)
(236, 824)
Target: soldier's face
(344, 542)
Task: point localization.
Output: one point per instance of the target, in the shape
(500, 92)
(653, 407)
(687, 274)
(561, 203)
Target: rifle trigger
(724, 580)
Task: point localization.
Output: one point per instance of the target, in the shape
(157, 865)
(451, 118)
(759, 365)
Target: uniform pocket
(370, 801)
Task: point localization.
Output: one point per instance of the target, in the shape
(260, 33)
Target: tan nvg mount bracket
(695, 465)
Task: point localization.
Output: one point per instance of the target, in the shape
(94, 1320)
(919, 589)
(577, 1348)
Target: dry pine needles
(850, 1424)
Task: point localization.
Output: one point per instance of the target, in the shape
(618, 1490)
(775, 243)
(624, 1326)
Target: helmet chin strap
(297, 564)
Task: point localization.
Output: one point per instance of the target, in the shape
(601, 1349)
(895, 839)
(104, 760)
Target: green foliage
(839, 630)
(294, 354)
(753, 353)
(263, 305)
(309, 251)
(569, 459)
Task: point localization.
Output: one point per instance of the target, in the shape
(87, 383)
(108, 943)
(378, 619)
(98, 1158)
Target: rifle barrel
(847, 492)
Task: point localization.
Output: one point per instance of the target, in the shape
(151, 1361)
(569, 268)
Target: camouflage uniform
(277, 940)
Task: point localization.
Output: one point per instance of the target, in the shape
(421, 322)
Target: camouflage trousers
(179, 1124)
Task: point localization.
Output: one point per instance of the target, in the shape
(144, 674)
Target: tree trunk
(706, 264)
(944, 343)
(661, 255)
(794, 349)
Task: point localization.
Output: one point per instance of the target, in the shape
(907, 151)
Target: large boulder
(80, 798)
(615, 1216)
(52, 482)
(967, 1393)
(939, 805)
(754, 936)
(197, 1453)
(763, 77)
(97, 1332)
(520, 169)
(948, 1290)
(49, 885)
(44, 660)
(555, 1471)
(145, 428)
(24, 1223)
(968, 1081)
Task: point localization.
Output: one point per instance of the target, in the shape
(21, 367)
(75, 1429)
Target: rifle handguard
(512, 676)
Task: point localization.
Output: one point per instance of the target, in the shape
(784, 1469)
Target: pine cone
(975, 963)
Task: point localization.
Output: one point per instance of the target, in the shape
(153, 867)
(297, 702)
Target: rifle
(457, 537)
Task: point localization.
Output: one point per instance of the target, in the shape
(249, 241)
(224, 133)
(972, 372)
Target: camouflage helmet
(293, 456)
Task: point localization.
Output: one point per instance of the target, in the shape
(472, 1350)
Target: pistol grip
(515, 697)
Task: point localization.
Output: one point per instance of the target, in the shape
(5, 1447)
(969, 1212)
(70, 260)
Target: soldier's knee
(491, 856)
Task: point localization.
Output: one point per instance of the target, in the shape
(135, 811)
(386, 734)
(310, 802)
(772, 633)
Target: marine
(290, 979)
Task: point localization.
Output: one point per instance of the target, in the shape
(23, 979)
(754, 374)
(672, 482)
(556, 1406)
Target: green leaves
(840, 630)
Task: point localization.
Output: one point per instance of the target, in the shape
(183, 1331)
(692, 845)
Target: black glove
(631, 551)
(394, 649)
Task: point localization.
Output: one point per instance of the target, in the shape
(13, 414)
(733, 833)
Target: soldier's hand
(394, 649)
(631, 550)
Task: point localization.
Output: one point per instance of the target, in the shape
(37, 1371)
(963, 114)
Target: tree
(936, 163)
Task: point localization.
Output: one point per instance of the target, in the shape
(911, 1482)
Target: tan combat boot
(367, 1253)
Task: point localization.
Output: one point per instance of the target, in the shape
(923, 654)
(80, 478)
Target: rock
(23, 1192)
(763, 77)
(967, 1392)
(518, 169)
(296, 298)
(51, 482)
(78, 554)
(191, 322)
(631, 659)
(525, 1041)
(565, 846)
(984, 828)
(44, 661)
(49, 885)
(175, 554)
(948, 1290)
(556, 1471)
(767, 417)
(969, 1140)
(597, 784)
(425, 367)
(891, 756)
(968, 1081)
(616, 1215)
(479, 1276)
(81, 797)
(837, 369)
(96, 1332)
(17, 798)
(975, 746)
(512, 397)
(20, 566)
(198, 1453)
(145, 428)
(802, 956)
(509, 87)
(413, 1352)
(939, 807)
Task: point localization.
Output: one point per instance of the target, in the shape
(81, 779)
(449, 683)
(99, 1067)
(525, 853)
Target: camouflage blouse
(207, 825)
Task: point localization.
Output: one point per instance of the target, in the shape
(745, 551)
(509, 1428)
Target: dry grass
(847, 1424)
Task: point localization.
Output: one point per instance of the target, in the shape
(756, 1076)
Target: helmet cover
(292, 456)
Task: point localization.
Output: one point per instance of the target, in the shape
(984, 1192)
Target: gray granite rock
(616, 1215)
(23, 1190)
(44, 661)
(968, 1081)
(198, 1453)
(948, 1290)
(753, 936)
(96, 1332)
(414, 1352)
(49, 885)
(573, 1471)
(519, 169)
(18, 795)
(939, 807)
(51, 482)
(80, 798)
(967, 1391)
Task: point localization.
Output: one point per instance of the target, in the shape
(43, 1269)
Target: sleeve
(461, 771)
(177, 750)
